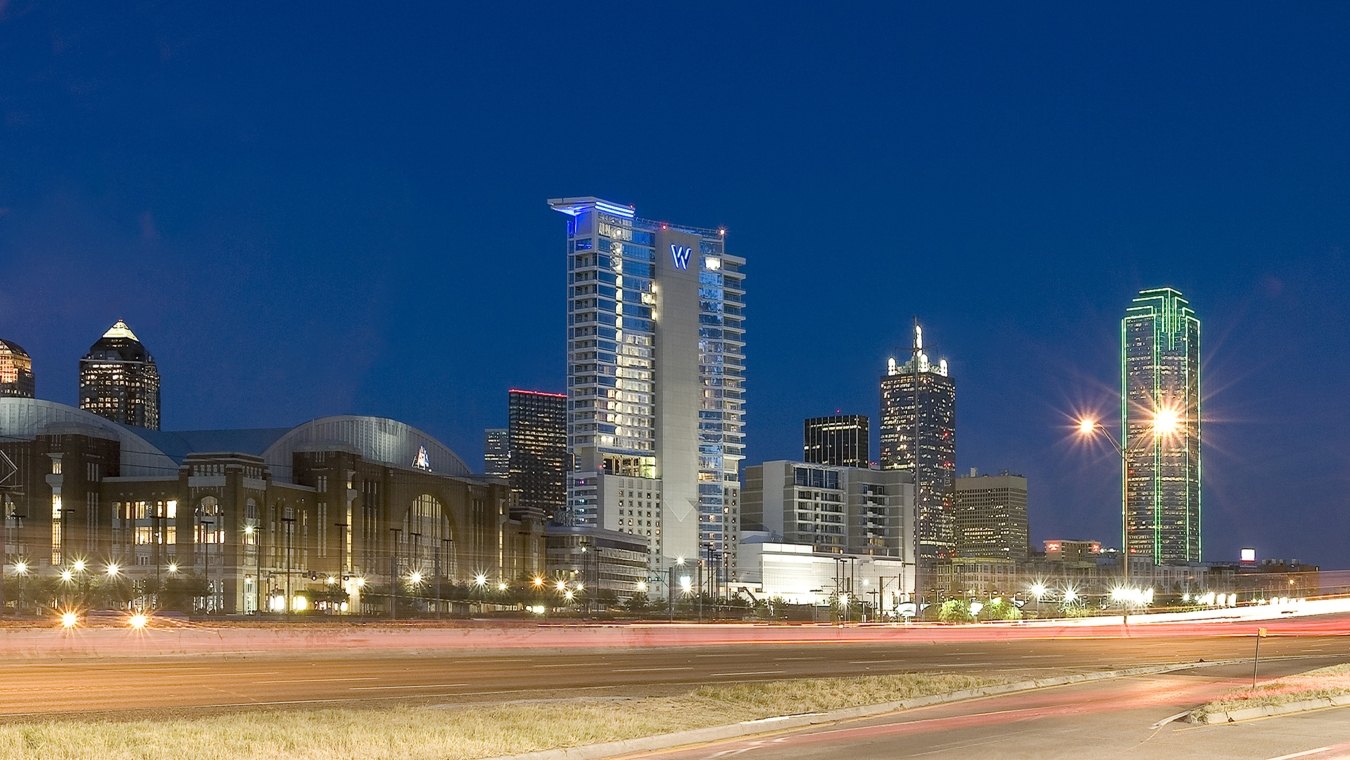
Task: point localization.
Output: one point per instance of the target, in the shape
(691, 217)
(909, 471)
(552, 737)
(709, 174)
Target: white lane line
(1169, 719)
(1305, 753)
(792, 659)
(319, 680)
(565, 665)
(645, 670)
(410, 686)
(868, 662)
(733, 654)
(749, 673)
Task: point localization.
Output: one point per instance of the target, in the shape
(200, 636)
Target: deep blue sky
(324, 208)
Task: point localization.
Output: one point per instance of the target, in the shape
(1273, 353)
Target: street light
(1166, 421)
(1038, 592)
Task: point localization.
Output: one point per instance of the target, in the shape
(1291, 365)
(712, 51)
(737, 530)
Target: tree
(954, 611)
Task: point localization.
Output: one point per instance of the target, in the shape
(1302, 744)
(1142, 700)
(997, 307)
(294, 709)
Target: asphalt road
(355, 677)
(1126, 717)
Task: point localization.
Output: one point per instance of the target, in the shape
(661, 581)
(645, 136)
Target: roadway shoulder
(784, 722)
(1269, 711)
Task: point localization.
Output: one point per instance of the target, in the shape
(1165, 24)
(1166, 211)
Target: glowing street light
(1038, 590)
(1070, 595)
(78, 565)
(537, 581)
(69, 619)
(1165, 422)
(138, 621)
(415, 578)
(561, 585)
(480, 580)
(67, 576)
(173, 568)
(642, 586)
(21, 568)
(113, 570)
(502, 586)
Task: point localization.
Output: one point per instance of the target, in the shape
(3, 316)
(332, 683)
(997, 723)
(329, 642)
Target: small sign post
(1256, 660)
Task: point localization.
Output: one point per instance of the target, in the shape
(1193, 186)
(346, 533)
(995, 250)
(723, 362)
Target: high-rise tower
(537, 446)
(16, 371)
(655, 374)
(1160, 427)
(497, 452)
(840, 441)
(918, 427)
(119, 379)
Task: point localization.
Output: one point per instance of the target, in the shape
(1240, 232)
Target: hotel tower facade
(655, 382)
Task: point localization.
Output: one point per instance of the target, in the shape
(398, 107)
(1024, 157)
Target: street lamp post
(289, 522)
(4, 555)
(393, 575)
(206, 562)
(1164, 422)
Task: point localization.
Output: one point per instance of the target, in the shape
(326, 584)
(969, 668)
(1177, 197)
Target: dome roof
(119, 343)
(10, 347)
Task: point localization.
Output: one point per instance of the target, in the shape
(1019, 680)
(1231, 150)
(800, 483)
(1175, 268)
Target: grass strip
(1314, 684)
(466, 731)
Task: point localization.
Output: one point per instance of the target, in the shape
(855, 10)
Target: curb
(1269, 711)
(778, 723)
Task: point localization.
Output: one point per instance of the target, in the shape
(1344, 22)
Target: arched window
(207, 516)
(426, 531)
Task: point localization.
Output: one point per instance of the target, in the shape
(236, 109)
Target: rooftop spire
(120, 330)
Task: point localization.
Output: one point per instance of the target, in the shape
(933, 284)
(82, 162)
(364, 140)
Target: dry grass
(457, 731)
(1314, 684)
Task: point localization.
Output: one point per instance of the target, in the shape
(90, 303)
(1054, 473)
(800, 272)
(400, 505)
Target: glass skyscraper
(497, 452)
(918, 426)
(1160, 377)
(119, 379)
(537, 446)
(655, 381)
(841, 440)
(16, 371)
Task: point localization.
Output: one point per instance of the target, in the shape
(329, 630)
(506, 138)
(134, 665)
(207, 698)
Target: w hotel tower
(655, 374)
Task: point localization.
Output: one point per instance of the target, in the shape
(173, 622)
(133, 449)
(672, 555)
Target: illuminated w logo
(681, 255)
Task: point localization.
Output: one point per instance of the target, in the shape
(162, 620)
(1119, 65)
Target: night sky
(307, 209)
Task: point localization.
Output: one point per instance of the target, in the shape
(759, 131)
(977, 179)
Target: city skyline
(277, 284)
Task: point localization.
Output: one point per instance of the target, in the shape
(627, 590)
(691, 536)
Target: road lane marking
(409, 686)
(730, 654)
(749, 673)
(1301, 754)
(869, 662)
(1169, 719)
(319, 680)
(792, 659)
(564, 664)
(645, 670)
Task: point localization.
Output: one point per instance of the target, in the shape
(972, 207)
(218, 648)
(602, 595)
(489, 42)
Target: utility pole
(393, 575)
(290, 528)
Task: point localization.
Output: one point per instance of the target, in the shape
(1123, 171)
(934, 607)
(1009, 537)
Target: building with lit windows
(537, 452)
(989, 517)
(496, 452)
(841, 440)
(833, 510)
(119, 380)
(325, 513)
(918, 428)
(16, 371)
(655, 381)
(1160, 379)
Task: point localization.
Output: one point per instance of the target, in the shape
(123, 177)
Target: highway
(370, 676)
(1127, 717)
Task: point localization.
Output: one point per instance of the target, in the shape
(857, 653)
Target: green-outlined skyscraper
(1160, 428)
